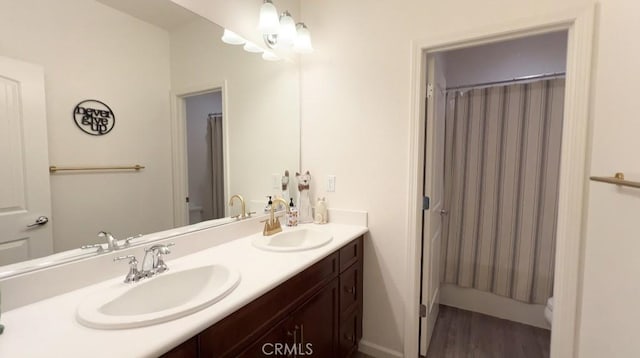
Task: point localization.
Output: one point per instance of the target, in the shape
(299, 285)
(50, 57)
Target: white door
(24, 163)
(434, 189)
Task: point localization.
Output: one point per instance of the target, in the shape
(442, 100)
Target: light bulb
(302, 43)
(287, 33)
(231, 38)
(269, 22)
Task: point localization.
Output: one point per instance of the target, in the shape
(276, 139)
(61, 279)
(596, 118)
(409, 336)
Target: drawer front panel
(349, 288)
(350, 253)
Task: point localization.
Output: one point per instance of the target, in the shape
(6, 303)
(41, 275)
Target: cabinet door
(316, 324)
(349, 334)
(277, 342)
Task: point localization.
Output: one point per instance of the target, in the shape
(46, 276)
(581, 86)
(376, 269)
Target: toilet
(548, 311)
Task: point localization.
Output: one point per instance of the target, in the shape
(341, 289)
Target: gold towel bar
(53, 168)
(617, 179)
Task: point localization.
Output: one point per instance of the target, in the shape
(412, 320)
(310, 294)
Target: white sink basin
(294, 240)
(165, 297)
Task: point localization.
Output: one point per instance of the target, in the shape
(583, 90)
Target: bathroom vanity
(317, 311)
(309, 299)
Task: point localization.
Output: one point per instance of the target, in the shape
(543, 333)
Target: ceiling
(162, 13)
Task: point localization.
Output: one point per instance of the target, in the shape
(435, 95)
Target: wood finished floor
(461, 334)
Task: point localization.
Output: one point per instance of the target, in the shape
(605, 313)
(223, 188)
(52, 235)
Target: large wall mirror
(229, 119)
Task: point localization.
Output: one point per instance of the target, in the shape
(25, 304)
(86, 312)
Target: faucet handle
(132, 259)
(127, 241)
(160, 248)
(134, 274)
(93, 246)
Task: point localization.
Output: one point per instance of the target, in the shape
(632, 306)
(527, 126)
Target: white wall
(262, 102)
(546, 53)
(90, 51)
(363, 53)
(198, 109)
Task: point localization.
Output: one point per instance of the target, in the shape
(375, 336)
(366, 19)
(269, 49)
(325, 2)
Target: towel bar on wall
(54, 169)
(617, 179)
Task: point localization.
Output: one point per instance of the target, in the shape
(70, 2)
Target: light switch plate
(331, 183)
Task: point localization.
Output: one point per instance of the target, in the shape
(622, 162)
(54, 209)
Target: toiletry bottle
(1, 326)
(267, 208)
(292, 215)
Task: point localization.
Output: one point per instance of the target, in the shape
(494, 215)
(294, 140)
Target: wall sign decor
(94, 117)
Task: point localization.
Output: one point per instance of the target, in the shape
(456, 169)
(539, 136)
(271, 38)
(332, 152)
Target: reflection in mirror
(206, 120)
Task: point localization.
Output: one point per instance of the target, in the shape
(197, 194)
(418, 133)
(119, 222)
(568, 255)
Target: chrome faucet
(112, 242)
(272, 225)
(134, 274)
(153, 262)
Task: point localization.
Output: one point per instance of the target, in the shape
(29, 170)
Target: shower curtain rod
(517, 79)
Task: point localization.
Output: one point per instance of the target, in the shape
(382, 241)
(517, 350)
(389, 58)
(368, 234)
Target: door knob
(41, 220)
(443, 212)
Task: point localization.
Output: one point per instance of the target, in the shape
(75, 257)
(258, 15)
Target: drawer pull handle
(351, 290)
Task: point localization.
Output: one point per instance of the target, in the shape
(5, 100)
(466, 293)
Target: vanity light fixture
(231, 38)
(282, 32)
(253, 48)
(270, 56)
(302, 43)
(269, 20)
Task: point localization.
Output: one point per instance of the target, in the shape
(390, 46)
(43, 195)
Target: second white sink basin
(162, 298)
(294, 240)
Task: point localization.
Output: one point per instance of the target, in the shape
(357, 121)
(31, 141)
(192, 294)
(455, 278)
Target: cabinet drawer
(230, 336)
(349, 288)
(349, 334)
(350, 253)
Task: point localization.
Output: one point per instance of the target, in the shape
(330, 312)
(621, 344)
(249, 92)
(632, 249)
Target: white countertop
(49, 328)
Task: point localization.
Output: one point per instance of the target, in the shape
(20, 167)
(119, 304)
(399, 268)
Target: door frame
(580, 26)
(179, 146)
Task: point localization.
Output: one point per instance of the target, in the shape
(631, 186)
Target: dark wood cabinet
(316, 323)
(317, 313)
(187, 349)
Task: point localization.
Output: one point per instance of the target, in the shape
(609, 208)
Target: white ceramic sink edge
(163, 298)
(291, 240)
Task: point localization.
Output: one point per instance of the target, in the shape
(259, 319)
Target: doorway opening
(497, 113)
(205, 156)
(573, 173)
(199, 125)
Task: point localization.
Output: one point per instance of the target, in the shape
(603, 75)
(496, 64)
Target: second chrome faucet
(152, 264)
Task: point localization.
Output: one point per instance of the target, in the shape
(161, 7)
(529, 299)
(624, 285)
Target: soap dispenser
(267, 208)
(292, 214)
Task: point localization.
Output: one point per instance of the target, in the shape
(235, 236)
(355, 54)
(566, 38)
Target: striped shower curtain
(502, 166)
(215, 170)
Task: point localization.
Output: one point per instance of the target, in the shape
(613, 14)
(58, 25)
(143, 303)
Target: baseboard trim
(377, 351)
(493, 305)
